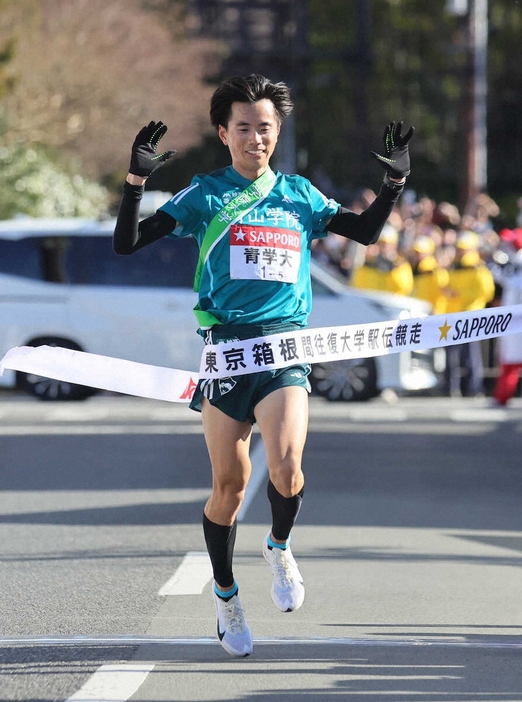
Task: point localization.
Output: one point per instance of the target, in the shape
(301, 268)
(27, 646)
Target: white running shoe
(287, 591)
(233, 632)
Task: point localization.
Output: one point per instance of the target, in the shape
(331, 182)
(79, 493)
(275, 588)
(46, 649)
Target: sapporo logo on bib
(264, 253)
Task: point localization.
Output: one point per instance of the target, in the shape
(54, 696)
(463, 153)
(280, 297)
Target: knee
(229, 493)
(287, 477)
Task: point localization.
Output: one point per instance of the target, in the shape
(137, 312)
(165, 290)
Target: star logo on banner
(189, 390)
(240, 235)
(444, 330)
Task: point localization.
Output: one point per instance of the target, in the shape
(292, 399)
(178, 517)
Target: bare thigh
(282, 417)
(228, 445)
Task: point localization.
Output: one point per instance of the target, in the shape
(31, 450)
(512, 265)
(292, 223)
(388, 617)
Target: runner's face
(251, 136)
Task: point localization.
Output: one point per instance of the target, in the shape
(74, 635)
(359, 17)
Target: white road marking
(259, 472)
(192, 575)
(128, 640)
(58, 429)
(195, 570)
(482, 414)
(113, 683)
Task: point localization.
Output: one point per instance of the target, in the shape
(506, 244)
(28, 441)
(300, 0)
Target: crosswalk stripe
(191, 577)
(112, 683)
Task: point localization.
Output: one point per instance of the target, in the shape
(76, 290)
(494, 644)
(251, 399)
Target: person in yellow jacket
(384, 269)
(471, 287)
(431, 280)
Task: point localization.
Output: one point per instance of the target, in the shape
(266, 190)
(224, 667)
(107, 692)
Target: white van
(61, 284)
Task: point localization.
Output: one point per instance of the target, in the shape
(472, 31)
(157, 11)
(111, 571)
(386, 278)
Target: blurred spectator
(471, 287)
(425, 219)
(510, 347)
(504, 261)
(445, 254)
(498, 257)
(384, 269)
(486, 211)
(331, 252)
(417, 252)
(430, 278)
(489, 243)
(446, 216)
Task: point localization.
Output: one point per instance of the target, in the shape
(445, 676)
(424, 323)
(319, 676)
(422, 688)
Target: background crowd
(457, 262)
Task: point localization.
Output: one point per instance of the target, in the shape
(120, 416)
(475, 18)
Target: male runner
(254, 280)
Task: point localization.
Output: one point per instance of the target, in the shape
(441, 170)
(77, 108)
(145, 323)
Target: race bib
(264, 253)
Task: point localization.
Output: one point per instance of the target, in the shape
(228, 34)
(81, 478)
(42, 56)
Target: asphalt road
(409, 540)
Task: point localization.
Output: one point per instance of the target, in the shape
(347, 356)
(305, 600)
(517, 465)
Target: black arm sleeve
(366, 227)
(129, 233)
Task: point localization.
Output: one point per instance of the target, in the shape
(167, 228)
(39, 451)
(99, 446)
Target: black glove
(144, 159)
(396, 159)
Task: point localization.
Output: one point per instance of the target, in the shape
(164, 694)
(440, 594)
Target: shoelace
(235, 621)
(283, 569)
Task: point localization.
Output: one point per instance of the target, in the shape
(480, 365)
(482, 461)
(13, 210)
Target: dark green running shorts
(237, 396)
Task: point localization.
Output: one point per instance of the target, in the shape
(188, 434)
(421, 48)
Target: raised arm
(366, 227)
(129, 233)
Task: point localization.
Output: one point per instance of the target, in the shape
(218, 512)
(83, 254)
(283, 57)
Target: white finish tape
(325, 344)
(309, 345)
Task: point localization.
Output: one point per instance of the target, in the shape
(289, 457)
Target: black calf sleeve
(284, 511)
(220, 542)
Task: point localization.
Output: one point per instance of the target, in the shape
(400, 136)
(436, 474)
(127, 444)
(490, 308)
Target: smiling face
(251, 136)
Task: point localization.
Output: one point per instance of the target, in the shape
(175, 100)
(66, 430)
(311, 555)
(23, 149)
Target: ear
(222, 133)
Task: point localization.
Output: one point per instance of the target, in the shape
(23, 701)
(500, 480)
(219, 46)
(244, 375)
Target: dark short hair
(249, 89)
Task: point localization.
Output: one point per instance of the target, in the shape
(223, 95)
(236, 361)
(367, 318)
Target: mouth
(256, 152)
